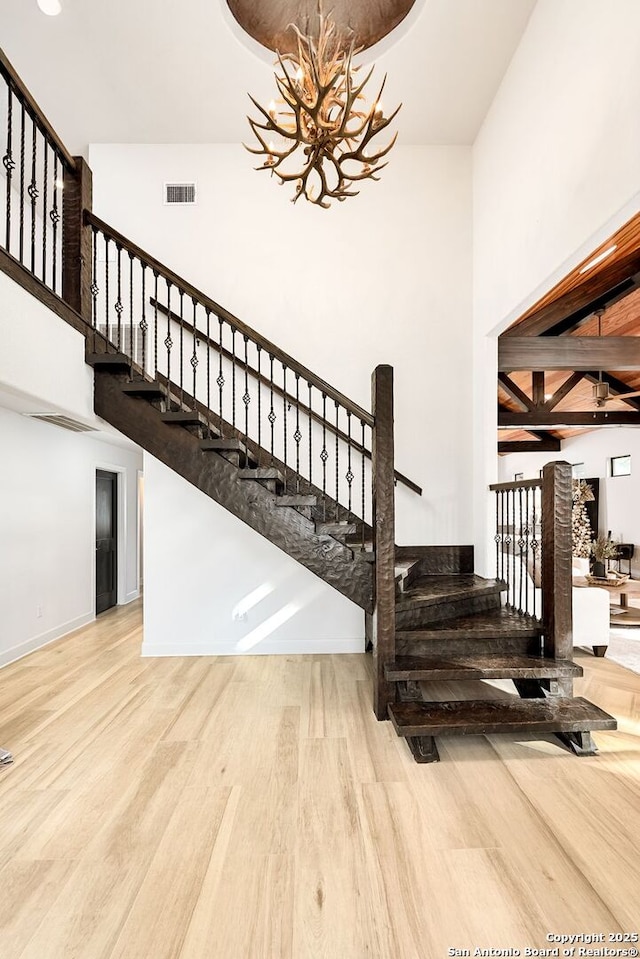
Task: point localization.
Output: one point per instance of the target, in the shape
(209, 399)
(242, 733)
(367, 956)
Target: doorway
(106, 540)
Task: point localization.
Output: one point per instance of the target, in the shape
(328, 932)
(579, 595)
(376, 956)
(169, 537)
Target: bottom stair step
(418, 668)
(476, 717)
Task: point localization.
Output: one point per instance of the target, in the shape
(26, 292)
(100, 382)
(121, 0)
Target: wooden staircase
(454, 628)
(307, 468)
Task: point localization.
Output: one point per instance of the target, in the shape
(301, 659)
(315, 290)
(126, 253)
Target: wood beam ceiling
(541, 353)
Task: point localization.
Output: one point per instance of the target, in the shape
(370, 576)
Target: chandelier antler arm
(271, 125)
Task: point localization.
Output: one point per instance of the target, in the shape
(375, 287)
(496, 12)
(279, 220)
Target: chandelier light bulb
(51, 7)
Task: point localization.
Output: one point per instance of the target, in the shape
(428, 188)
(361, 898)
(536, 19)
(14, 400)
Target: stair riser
(436, 613)
(441, 560)
(469, 647)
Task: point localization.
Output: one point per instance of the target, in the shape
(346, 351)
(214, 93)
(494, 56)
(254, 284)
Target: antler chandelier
(320, 136)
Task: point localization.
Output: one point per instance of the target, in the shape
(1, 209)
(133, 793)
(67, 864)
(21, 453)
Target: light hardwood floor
(253, 808)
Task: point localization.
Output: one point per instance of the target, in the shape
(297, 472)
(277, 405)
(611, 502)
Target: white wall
(382, 278)
(47, 480)
(619, 503)
(214, 586)
(555, 172)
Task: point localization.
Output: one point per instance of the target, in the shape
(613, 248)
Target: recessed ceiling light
(599, 258)
(51, 7)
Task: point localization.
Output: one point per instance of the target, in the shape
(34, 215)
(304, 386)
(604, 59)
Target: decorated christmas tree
(581, 531)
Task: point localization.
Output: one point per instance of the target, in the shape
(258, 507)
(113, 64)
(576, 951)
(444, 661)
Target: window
(578, 471)
(621, 466)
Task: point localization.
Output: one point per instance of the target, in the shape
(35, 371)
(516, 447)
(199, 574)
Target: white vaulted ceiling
(156, 71)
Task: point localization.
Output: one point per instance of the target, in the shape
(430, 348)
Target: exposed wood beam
(562, 391)
(597, 291)
(568, 353)
(551, 445)
(537, 388)
(513, 390)
(558, 419)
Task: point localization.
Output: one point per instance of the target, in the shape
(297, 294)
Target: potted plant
(602, 549)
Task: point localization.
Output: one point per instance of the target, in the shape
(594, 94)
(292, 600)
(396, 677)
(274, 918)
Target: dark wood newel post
(383, 492)
(556, 564)
(76, 239)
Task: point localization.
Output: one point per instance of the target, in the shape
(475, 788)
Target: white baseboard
(37, 642)
(129, 597)
(234, 647)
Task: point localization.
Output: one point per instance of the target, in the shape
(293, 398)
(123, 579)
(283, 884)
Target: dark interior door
(106, 540)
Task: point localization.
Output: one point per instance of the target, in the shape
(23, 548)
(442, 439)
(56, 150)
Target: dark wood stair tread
(220, 445)
(296, 500)
(336, 529)
(114, 362)
(184, 418)
(476, 717)
(144, 388)
(261, 473)
(478, 667)
(433, 590)
(492, 623)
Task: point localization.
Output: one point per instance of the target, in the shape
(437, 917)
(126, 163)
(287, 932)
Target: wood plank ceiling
(568, 310)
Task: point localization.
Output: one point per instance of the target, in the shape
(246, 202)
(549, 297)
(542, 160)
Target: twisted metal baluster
(106, 289)
(181, 384)
(155, 324)
(310, 422)
(362, 458)
(131, 348)
(95, 289)
(233, 376)
(194, 356)
(534, 544)
(521, 555)
(208, 315)
(349, 474)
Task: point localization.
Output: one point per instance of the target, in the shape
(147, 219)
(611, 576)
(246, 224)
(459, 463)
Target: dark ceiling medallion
(366, 21)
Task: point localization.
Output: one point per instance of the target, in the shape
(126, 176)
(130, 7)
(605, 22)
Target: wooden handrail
(220, 311)
(239, 362)
(518, 484)
(8, 71)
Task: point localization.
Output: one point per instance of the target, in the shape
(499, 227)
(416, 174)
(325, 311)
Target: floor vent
(65, 422)
(179, 194)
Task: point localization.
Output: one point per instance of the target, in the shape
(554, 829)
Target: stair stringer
(285, 527)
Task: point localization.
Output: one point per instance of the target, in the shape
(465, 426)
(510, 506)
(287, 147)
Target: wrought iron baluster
(246, 399)
(233, 376)
(220, 380)
(194, 355)
(297, 436)
(310, 422)
(22, 160)
(106, 290)
(168, 343)
(155, 324)
(497, 533)
(131, 351)
(259, 352)
(337, 463)
(9, 165)
(118, 306)
(95, 289)
(526, 549)
(349, 473)
(181, 384)
(324, 456)
(285, 407)
(144, 326)
(32, 190)
(534, 543)
(54, 216)
(502, 534)
(45, 173)
(521, 557)
(272, 413)
(208, 315)
(508, 546)
(364, 502)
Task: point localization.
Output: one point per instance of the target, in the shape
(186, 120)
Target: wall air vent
(179, 194)
(65, 422)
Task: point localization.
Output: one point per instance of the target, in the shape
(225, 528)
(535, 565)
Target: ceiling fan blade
(625, 396)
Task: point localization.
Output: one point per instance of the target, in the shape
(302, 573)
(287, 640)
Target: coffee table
(621, 613)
